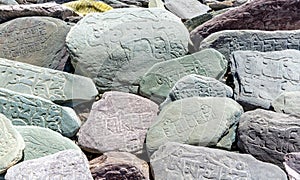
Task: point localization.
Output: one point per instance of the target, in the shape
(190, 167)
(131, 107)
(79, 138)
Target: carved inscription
(8, 141)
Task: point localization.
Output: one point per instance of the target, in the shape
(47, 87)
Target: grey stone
(41, 142)
(259, 77)
(292, 165)
(118, 122)
(35, 40)
(118, 4)
(67, 164)
(161, 77)
(115, 48)
(50, 84)
(8, 2)
(200, 121)
(268, 135)
(186, 9)
(119, 165)
(288, 102)
(23, 110)
(197, 86)
(181, 162)
(11, 144)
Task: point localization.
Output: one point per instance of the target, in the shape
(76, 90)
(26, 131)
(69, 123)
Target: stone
(41, 142)
(57, 86)
(35, 40)
(156, 4)
(67, 164)
(186, 9)
(47, 9)
(200, 121)
(259, 77)
(119, 165)
(197, 86)
(161, 77)
(118, 4)
(180, 161)
(24, 110)
(268, 135)
(117, 122)
(288, 103)
(11, 144)
(138, 3)
(83, 7)
(218, 5)
(117, 47)
(8, 2)
(191, 24)
(292, 165)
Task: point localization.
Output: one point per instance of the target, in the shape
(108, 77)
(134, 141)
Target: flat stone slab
(119, 165)
(24, 110)
(288, 103)
(117, 47)
(50, 84)
(67, 164)
(228, 41)
(201, 121)
(194, 85)
(260, 77)
(161, 77)
(180, 161)
(41, 142)
(268, 135)
(117, 122)
(35, 40)
(11, 144)
(292, 165)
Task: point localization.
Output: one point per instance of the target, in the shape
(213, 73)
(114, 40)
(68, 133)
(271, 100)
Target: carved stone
(268, 135)
(158, 81)
(117, 47)
(118, 122)
(196, 121)
(288, 103)
(11, 144)
(84, 7)
(119, 165)
(7, 2)
(23, 109)
(67, 164)
(41, 142)
(292, 165)
(50, 84)
(180, 161)
(156, 4)
(35, 40)
(197, 86)
(259, 77)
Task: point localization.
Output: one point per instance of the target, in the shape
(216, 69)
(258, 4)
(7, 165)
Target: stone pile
(149, 89)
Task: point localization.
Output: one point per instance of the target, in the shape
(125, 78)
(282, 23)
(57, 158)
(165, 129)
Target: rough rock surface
(118, 122)
(268, 135)
(259, 77)
(23, 109)
(84, 7)
(67, 164)
(288, 103)
(180, 161)
(292, 165)
(8, 2)
(119, 165)
(115, 48)
(200, 121)
(11, 144)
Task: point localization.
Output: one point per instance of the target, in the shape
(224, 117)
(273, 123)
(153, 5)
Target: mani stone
(186, 9)
(161, 77)
(268, 135)
(117, 47)
(259, 77)
(292, 165)
(117, 122)
(25, 110)
(181, 161)
(7, 2)
(41, 142)
(47, 83)
(34, 40)
(156, 4)
(11, 144)
(47, 9)
(119, 165)
(197, 86)
(288, 103)
(83, 7)
(67, 164)
(201, 121)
